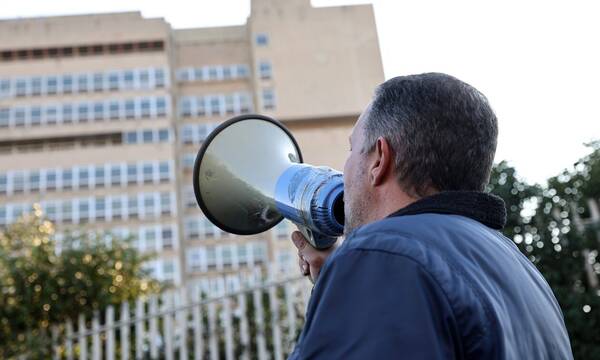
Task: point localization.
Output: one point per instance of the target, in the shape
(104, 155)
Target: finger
(304, 267)
(298, 240)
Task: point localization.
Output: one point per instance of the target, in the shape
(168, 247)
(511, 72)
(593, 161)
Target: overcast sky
(536, 61)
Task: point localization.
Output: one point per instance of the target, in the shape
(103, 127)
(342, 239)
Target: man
(423, 272)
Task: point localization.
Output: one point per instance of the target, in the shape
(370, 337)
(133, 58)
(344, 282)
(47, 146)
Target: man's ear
(381, 164)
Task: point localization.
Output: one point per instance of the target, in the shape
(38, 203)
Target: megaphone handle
(317, 240)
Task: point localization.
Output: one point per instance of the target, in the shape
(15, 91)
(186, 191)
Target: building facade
(101, 117)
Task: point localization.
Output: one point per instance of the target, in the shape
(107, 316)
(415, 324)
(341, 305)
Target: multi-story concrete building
(101, 117)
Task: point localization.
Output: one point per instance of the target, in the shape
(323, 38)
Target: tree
(543, 223)
(42, 286)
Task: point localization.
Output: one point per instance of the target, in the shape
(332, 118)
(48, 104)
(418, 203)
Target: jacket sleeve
(371, 304)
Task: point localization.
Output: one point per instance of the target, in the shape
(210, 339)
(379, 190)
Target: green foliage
(42, 286)
(551, 226)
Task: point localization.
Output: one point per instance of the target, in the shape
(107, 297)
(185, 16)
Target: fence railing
(259, 318)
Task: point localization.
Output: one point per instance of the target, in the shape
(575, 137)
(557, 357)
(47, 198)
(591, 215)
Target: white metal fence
(259, 318)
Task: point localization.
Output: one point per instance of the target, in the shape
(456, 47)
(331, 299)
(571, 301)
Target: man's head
(420, 134)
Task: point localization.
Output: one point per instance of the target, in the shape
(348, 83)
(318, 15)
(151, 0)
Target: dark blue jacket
(434, 281)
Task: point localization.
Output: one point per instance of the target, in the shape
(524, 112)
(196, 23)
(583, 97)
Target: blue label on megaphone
(313, 197)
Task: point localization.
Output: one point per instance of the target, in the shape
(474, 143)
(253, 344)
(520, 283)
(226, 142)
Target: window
(98, 81)
(245, 105)
(213, 73)
(159, 78)
(168, 270)
(242, 71)
(35, 117)
(51, 85)
(282, 230)
(144, 79)
(259, 252)
(189, 200)
(19, 117)
(51, 115)
(161, 106)
(195, 259)
(229, 104)
(99, 176)
(3, 183)
(67, 114)
(262, 39)
(128, 79)
(21, 87)
(131, 173)
(34, 180)
(84, 178)
(50, 210)
(82, 113)
(227, 74)
(51, 179)
(209, 228)
(264, 70)
(148, 205)
(167, 238)
(18, 182)
(115, 175)
(113, 81)
(183, 75)
(84, 210)
(100, 208)
(82, 83)
(211, 257)
(226, 255)
(148, 173)
(67, 84)
(215, 105)
(187, 134)
(98, 111)
(200, 107)
(198, 74)
(145, 107)
(113, 110)
(188, 161)
(163, 135)
(3, 215)
(131, 137)
(36, 86)
(67, 212)
(268, 99)
(129, 109)
(186, 107)
(4, 117)
(192, 228)
(165, 203)
(4, 87)
(117, 208)
(164, 171)
(132, 206)
(67, 179)
(150, 239)
(147, 136)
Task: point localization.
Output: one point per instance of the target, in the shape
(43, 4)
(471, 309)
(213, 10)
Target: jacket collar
(485, 208)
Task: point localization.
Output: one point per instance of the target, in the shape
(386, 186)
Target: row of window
(213, 73)
(147, 136)
(215, 105)
(150, 205)
(225, 256)
(196, 133)
(162, 269)
(114, 80)
(199, 227)
(86, 177)
(84, 112)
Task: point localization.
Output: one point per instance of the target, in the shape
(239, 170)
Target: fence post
(96, 342)
(242, 298)
(274, 308)
(110, 333)
(124, 319)
(153, 327)
(226, 303)
(291, 315)
(259, 316)
(197, 318)
(139, 329)
(168, 325)
(212, 331)
(69, 343)
(182, 324)
(81, 339)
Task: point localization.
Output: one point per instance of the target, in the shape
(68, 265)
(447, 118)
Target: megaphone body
(249, 175)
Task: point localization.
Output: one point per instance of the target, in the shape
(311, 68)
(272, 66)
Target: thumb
(298, 240)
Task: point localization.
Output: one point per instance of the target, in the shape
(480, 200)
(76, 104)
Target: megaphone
(249, 175)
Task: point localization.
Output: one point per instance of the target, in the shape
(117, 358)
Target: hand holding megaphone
(249, 175)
